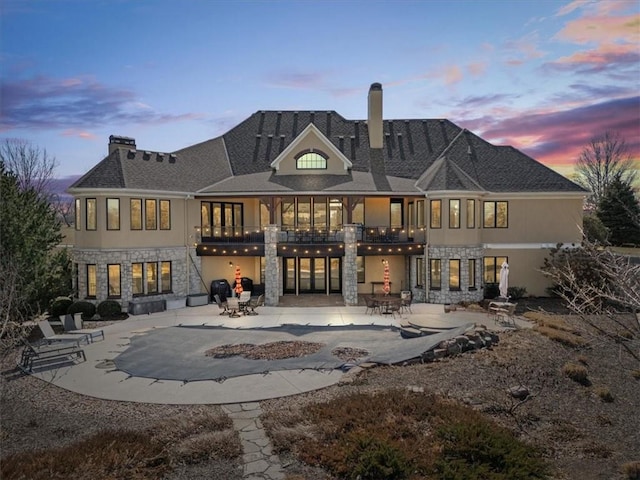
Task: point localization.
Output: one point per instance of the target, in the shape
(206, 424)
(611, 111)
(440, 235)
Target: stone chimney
(116, 142)
(375, 116)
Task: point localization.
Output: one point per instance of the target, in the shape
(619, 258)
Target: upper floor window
(151, 220)
(396, 213)
(436, 214)
(496, 214)
(420, 213)
(165, 214)
(311, 160)
(136, 213)
(77, 214)
(454, 213)
(113, 214)
(92, 214)
(471, 214)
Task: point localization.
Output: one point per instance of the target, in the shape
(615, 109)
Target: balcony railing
(310, 236)
(390, 235)
(244, 234)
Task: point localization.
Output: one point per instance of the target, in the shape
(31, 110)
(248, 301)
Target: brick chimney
(116, 141)
(375, 116)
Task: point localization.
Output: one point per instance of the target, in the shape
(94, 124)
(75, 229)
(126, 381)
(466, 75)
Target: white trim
(294, 145)
(124, 192)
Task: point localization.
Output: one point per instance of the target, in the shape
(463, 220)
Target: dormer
(311, 153)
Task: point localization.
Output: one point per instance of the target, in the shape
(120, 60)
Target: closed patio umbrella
(385, 278)
(504, 280)
(238, 286)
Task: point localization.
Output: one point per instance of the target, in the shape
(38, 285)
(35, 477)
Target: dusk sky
(545, 76)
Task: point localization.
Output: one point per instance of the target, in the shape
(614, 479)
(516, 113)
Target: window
(436, 214)
(165, 215)
(152, 278)
(136, 279)
(113, 214)
(165, 277)
(76, 279)
(311, 161)
(92, 215)
(288, 213)
(454, 213)
(113, 272)
(77, 214)
(335, 213)
(420, 213)
(471, 214)
(492, 267)
(420, 272)
(472, 274)
(135, 207)
(360, 269)
(435, 274)
(495, 214)
(357, 216)
(263, 269)
(265, 217)
(92, 280)
(396, 213)
(454, 274)
(151, 221)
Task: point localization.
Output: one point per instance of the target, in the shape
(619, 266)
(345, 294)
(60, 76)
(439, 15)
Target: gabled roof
(417, 156)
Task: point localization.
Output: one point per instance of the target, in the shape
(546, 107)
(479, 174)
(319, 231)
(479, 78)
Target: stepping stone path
(260, 463)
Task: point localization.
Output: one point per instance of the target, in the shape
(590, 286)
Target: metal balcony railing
(390, 235)
(236, 234)
(311, 236)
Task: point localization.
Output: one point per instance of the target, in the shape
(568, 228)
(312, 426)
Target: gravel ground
(583, 436)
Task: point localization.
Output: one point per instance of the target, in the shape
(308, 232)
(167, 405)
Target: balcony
(237, 240)
(385, 240)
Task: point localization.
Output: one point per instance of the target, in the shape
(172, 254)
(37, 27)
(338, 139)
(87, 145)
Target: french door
(312, 275)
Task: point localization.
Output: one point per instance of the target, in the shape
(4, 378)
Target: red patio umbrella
(238, 286)
(386, 287)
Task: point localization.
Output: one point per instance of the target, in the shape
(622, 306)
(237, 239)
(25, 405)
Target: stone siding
(464, 254)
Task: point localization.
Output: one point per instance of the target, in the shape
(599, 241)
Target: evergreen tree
(619, 211)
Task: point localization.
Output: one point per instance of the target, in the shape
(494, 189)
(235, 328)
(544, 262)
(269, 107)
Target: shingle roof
(430, 154)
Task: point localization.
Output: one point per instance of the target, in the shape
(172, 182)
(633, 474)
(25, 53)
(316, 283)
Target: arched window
(311, 160)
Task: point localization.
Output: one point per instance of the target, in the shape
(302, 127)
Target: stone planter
(176, 303)
(197, 299)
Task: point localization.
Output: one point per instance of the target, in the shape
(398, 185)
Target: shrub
(491, 290)
(108, 309)
(604, 393)
(374, 459)
(631, 470)
(577, 373)
(59, 306)
(87, 309)
(516, 292)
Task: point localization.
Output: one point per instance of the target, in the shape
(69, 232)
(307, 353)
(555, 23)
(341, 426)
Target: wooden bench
(51, 354)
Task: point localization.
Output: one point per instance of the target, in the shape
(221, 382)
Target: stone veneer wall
(464, 254)
(272, 281)
(349, 271)
(101, 258)
(418, 294)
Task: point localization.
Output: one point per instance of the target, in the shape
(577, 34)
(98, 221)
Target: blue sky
(542, 75)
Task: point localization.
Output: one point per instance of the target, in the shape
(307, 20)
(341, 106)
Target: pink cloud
(79, 134)
(477, 68)
(602, 29)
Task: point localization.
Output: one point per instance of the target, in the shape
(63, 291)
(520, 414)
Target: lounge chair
(221, 305)
(47, 354)
(72, 325)
(50, 336)
(253, 304)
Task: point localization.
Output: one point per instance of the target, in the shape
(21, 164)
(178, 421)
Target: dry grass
(556, 328)
(604, 393)
(576, 372)
(631, 470)
(132, 455)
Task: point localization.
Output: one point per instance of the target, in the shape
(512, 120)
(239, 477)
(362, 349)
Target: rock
(520, 392)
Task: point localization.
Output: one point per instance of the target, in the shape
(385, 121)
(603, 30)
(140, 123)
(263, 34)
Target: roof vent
(146, 155)
(160, 156)
(131, 153)
(172, 158)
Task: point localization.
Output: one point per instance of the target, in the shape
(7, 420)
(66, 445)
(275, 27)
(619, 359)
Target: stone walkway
(260, 463)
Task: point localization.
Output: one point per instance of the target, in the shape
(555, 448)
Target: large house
(310, 202)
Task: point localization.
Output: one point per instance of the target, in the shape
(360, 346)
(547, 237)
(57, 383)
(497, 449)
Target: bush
(491, 290)
(516, 292)
(108, 309)
(59, 306)
(374, 459)
(87, 309)
(577, 373)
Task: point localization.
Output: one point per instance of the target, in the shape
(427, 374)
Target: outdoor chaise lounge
(73, 325)
(50, 336)
(48, 354)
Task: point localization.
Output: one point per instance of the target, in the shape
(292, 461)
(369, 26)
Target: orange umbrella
(385, 278)
(238, 287)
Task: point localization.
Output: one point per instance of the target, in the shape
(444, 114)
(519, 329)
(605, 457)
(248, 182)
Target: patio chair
(405, 300)
(395, 308)
(50, 336)
(49, 355)
(221, 305)
(234, 306)
(253, 304)
(372, 305)
(72, 324)
(506, 316)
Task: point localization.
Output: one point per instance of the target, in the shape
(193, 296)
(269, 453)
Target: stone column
(349, 272)
(272, 266)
